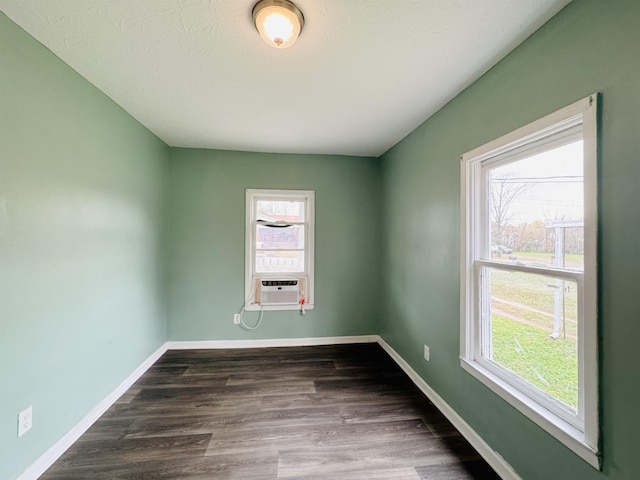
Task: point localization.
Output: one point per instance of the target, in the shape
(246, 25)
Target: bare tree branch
(504, 192)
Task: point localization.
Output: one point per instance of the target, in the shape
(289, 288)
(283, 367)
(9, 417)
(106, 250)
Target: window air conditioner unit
(279, 292)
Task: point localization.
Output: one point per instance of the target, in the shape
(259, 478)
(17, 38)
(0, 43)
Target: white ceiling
(363, 74)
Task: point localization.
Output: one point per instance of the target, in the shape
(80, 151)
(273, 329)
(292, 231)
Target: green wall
(589, 46)
(206, 243)
(81, 197)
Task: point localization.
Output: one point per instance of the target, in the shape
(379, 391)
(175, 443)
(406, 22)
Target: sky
(556, 185)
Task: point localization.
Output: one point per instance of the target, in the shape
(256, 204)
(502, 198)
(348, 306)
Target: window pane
(279, 261)
(537, 209)
(530, 329)
(278, 210)
(284, 238)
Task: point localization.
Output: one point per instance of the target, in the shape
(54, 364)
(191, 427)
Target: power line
(554, 179)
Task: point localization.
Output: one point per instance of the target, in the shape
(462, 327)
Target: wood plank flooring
(331, 412)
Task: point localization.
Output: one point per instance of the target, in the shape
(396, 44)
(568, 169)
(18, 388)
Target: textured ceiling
(363, 74)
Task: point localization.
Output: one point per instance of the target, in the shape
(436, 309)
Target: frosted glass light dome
(278, 21)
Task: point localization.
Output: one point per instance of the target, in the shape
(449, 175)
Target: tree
(505, 190)
(535, 237)
(279, 208)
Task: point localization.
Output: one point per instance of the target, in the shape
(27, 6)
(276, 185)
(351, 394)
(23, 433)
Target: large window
(529, 280)
(279, 247)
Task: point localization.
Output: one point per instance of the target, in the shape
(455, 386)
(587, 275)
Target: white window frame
(579, 432)
(251, 276)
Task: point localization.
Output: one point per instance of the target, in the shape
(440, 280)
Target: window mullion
(546, 272)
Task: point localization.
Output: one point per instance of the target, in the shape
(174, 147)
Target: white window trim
(308, 196)
(582, 437)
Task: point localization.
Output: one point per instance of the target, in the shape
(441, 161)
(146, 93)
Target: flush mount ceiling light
(278, 21)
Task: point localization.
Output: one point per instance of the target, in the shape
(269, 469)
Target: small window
(529, 280)
(279, 248)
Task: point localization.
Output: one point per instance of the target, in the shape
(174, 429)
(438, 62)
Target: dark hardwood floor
(331, 412)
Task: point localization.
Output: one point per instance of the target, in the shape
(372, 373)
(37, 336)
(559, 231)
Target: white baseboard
(49, 457)
(274, 342)
(492, 457)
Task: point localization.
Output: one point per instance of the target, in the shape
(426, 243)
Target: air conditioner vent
(279, 292)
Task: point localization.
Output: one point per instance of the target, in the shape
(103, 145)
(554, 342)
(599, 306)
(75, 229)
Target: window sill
(560, 429)
(271, 308)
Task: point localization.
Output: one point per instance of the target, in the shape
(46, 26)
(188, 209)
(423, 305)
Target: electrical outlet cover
(25, 420)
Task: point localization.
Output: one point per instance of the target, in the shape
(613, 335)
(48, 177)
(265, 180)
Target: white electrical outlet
(25, 420)
(426, 353)
(236, 318)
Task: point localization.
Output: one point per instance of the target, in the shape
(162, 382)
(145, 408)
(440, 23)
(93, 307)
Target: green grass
(522, 306)
(550, 365)
(534, 291)
(569, 257)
